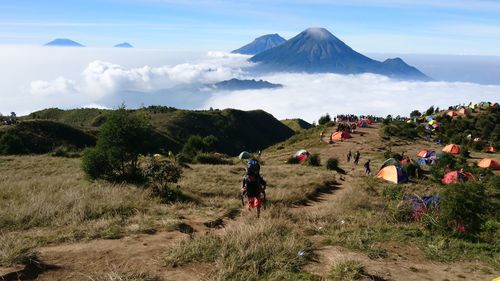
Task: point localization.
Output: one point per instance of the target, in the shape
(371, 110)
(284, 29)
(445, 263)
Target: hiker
(349, 155)
(321, 135)
(356, 157)
(254, 186)
(367, 167)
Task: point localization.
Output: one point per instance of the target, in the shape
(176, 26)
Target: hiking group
(253, 186)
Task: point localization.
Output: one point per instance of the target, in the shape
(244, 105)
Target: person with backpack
(349, 155)
(367, 167)
(356, 157)
(254, 186)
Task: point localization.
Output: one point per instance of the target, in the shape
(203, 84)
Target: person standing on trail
(321, 135)
(254, 186)
(367, 167)
(356, 157)
(349, 155)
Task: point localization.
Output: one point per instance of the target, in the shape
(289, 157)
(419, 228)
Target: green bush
(313, 160)
(332, 164)
(395, 155)
(197, 144)
(463, 204)
(292, 160)
(324, 119)
(120, 141)
(11, 144)
(412, 170)
(212, 159)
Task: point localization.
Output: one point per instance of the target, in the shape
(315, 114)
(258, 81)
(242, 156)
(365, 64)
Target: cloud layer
(309, 96)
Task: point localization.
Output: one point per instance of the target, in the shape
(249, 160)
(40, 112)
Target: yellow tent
(432, 122)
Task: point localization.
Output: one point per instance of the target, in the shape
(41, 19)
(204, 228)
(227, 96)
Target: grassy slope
(236, 130)
(296, 125)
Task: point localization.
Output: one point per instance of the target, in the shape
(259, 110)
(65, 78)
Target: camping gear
(393, 174)
(340, 136)
(362, 123)
(245, 155)
(301, 155)
(490, 149)
(456, 176)
(433, 122)
(488, 163)
(423, 161)
(389, 162)
(421, 205)
(452, 149)
(426, 153)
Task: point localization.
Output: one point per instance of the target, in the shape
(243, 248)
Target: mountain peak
(123, 45)
(261, 44)
(64, 42)
(318, 33)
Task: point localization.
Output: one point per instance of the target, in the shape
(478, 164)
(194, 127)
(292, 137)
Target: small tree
(324, 119)
(430, 111)
(121, 139)
(10, 143)
(415, 113)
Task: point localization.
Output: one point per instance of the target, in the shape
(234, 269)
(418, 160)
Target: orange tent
(340, 136)
(423, 153)
(490, 149)
(456, 176)
(452, 113)
(489, 164)
(393, 174)
(452, 148)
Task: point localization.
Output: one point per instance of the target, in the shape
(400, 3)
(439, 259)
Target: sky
(452, 27)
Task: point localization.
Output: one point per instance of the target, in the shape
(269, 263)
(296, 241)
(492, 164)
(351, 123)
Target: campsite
(428, 211)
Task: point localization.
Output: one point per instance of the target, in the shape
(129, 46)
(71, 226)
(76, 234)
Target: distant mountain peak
(64, 42)
(318, 33)
(261, 44)
(317, 50)
(123, 45)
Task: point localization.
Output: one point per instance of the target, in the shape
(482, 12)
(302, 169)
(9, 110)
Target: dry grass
(15, 250)
(265, 249)
(347, 270)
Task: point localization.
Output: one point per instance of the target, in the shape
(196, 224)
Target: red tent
(488, 163)
(456, 176)
(490, 149)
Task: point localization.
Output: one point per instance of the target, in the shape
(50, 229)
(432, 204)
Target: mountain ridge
(260, 44)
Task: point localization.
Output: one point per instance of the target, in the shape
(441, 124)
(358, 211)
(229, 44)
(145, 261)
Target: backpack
(253, 167)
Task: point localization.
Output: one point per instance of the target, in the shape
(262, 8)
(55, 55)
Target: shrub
(463, 204)
(395, 155)
(292, 160)
(464, 152)
(11, 144)
(121, 140)
(313, 160)
(324, 119)
(412, 170)
(332, 164)
(162, 172)
(15, 250)
(208, 158)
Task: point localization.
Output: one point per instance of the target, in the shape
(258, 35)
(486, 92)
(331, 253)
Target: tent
(390, 162)
(452, 113)
(432, 122)
(362, 123)
(245, 155)
(426, 153)
(463, 111)
(472, 106)
(435, 126)
(302, 155)
(393, 174)
(407, 160)
(339, 136)
(456, 176)
(488, 163)
(452, 148)
(422, 161)
(490, 149)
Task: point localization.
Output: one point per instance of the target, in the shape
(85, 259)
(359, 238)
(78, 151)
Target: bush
(196, 145)
(160, 174)
(11, 144)
(463, 204)
(464, 152)
(212, 159)
(332, 164)
(412, 170)
(121, 140)
(292, 160)
(324, 119)
(313, 160)
(395, 155)
(63, 151)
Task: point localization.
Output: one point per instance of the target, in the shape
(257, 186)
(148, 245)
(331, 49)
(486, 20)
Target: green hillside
(296, 124)
(236, 130)
(42, 136)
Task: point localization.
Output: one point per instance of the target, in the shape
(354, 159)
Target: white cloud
(309, 96)
(58, 86)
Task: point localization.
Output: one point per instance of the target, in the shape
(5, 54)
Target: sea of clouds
(34, 78)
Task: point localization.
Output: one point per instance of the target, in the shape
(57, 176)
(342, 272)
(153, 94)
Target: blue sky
(373, 26)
